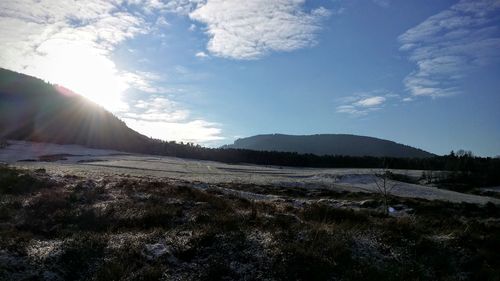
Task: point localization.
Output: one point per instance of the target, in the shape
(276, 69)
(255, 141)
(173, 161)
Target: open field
(103, 216)
(94, 163)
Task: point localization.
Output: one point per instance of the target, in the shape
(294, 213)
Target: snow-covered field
(26, 151)
(96, 163)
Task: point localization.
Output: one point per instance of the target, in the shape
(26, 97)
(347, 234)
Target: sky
(419, 72)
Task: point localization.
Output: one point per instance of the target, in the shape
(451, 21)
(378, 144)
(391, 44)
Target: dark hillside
(31, 109)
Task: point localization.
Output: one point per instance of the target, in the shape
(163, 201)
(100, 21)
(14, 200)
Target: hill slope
(329, 144)
(31, 109)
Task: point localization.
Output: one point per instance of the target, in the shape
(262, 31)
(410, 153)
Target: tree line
(462, 166)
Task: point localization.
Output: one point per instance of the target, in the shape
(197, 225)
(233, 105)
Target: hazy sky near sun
(420, 72)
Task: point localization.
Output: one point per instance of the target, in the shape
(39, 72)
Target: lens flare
(86, 70)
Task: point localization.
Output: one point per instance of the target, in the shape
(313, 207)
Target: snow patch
(41, 250)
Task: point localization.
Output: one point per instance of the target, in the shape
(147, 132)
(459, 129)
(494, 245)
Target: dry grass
(72, 228)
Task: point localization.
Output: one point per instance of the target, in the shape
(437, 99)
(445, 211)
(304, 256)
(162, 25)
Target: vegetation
(384, 188)
(119, 228)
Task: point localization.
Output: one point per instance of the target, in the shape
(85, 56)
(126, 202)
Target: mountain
(329, 144)
(31, 109)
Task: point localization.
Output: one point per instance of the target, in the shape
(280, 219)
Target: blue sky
(419, 72)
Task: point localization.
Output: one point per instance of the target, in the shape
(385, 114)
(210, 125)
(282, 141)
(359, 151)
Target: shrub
(13, 181)
(81, 255)
(323, 213)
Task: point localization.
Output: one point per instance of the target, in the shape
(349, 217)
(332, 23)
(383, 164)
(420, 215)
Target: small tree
(428, 176)
(384, 187)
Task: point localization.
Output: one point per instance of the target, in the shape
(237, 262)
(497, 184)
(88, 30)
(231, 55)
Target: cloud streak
(361, 104)
(201, 55)
(162, 118)
(251, 29)
(451, 44)
(370, 102)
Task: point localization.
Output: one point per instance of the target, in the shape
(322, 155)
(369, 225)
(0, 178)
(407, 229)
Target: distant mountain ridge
(329, 144)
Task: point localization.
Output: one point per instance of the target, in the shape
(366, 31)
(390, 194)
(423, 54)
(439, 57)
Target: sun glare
(86, 71)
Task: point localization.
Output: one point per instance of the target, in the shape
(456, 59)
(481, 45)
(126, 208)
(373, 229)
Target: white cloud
(197, 131)
(162, 22)
(361, 104)
(370, 102)
(146, 82)
(353, 110)
(201, 55)
(156, 109)
(182, 7)
(450, 44)
(162, 118)
(250, 29)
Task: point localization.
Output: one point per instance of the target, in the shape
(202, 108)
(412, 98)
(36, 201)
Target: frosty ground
(72, 213)
(96, 163)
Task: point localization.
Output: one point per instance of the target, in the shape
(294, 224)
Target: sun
(87, 71)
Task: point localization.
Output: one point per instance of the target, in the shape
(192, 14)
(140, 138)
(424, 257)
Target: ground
(112, 217)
